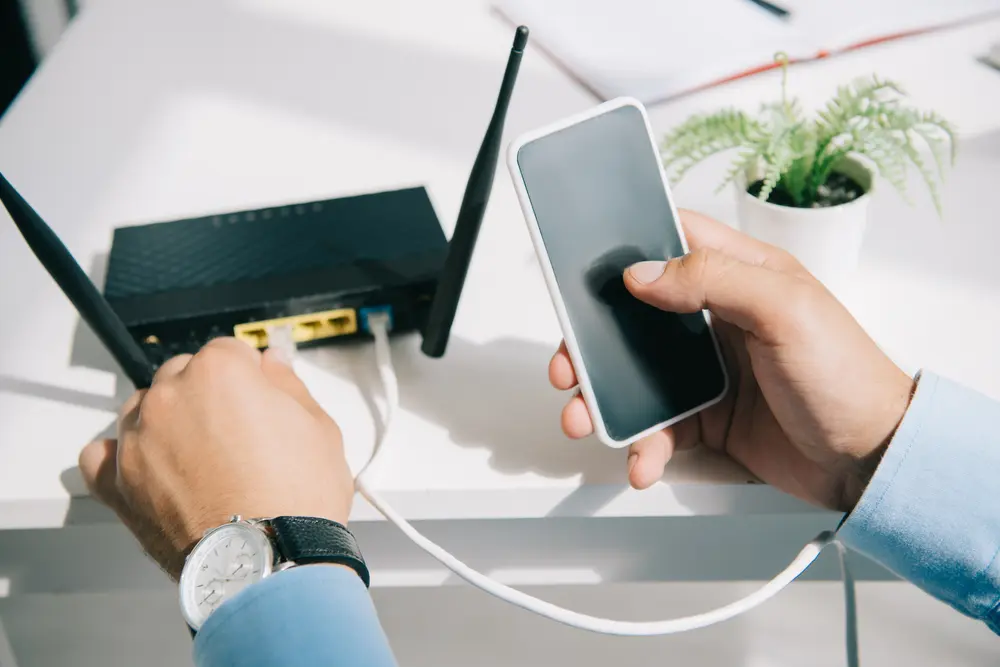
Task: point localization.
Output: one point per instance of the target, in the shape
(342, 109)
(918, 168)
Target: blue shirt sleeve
(931, 512)
(307, 615)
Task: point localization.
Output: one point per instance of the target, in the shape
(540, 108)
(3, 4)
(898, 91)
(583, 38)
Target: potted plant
(803, 183)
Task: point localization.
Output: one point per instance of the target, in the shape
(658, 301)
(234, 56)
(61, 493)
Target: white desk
(149, 111)
(156, 110)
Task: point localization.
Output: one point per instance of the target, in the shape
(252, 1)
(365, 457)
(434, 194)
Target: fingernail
(632, 458)
(647, 272)
(280, 356)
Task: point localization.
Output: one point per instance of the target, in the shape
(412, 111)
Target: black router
(316, 266)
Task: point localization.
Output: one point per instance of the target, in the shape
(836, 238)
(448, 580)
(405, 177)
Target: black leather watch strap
(307, 539)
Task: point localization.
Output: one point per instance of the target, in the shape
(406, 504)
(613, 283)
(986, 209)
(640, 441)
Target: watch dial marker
(234, 559)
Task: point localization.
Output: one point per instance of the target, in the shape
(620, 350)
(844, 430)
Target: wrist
(264, 508)
(243, 552)
(862, 466)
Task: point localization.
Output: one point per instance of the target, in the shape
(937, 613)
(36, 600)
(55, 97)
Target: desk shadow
(496, 395)
(493, 396)
(86, 350)
(14, 385)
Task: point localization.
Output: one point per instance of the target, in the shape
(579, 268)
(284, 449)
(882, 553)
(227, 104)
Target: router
(316, 266)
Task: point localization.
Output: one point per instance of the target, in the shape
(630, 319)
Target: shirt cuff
(931, 512)
(306, 615)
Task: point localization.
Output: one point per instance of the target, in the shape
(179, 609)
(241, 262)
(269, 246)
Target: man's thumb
(751, 297)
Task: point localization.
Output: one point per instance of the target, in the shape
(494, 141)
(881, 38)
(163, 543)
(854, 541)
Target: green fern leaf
(939, 135)
(925, 172)
(888, 155)
(744, 162)
(771, 176)
(704, 135)
(866, 117)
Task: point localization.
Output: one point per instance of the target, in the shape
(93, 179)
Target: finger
(649, 457)
(129, 414)
(226, 361)
(561, 372)
(278, 370)
(99, 468)
(576, 421)
(753, 298)
(704, 232)
(231, 348)
(172, 367)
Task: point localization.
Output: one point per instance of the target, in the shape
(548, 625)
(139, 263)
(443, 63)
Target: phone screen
(600, 204)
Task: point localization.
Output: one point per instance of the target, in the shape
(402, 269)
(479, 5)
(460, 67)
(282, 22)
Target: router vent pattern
(228, 248)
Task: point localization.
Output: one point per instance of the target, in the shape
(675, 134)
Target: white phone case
(586, 388)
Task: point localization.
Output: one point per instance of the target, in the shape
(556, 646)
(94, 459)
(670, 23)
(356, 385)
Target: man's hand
(226, 431)
(812, 400)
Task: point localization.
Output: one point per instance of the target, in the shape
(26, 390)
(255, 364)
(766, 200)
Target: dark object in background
(17, 58)
(838, 189)
(778, 11)
(316, 266)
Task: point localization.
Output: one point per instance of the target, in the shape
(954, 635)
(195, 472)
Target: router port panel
(305, 328)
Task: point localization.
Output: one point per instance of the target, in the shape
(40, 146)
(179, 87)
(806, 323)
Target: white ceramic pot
(826, 240)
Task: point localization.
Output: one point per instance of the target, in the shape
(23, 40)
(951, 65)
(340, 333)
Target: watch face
(227, 560)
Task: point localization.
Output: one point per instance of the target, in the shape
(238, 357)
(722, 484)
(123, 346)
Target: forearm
(308, 615)
(931, 512)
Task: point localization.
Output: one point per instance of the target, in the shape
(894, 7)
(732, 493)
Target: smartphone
(596, 200)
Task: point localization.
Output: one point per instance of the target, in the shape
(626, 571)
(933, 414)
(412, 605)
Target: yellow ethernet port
(305, 328)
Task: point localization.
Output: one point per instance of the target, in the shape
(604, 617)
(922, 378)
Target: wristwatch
(241, 552)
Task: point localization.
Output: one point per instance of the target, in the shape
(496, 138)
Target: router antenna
(470, 214)
(75, 284)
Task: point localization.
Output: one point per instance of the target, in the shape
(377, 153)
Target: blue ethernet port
(365, 313)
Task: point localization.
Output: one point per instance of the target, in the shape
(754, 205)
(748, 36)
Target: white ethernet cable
(378, 324)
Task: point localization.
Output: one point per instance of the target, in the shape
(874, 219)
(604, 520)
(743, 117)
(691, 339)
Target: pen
(780, 12)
